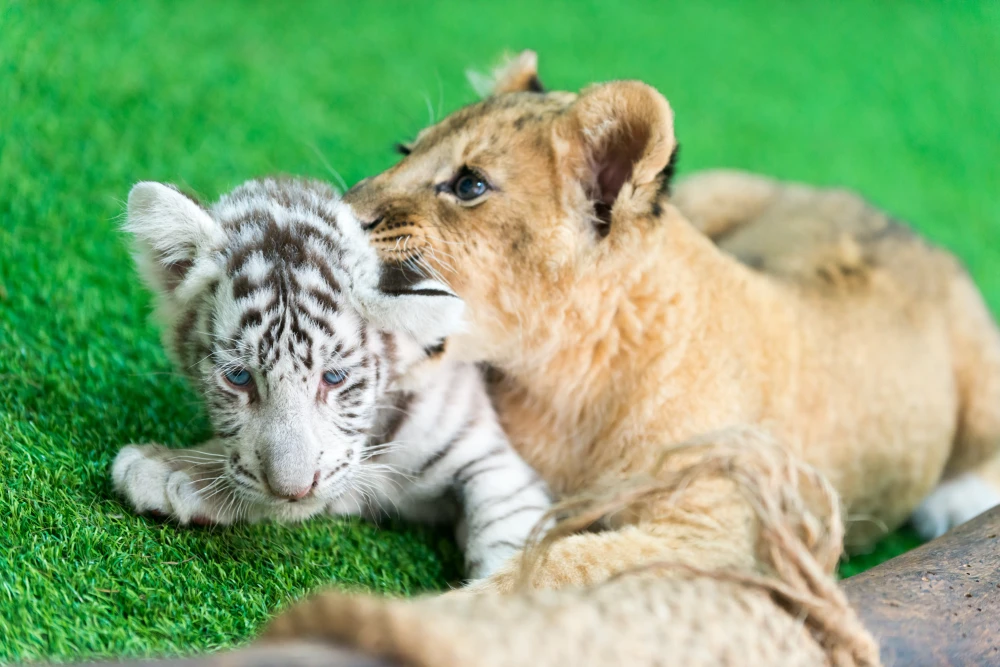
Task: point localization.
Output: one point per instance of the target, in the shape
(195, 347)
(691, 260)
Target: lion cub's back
(897, 356)
(824, 239)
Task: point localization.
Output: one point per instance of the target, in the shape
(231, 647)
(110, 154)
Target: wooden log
(940, 603)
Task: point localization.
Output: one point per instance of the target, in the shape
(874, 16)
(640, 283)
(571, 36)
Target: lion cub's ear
(621, 138)
(517, 74)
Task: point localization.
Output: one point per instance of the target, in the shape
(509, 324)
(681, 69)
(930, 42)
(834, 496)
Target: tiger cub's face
(258, 295)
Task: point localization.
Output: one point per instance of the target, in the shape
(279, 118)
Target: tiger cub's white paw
(953, 503)
(153, 484)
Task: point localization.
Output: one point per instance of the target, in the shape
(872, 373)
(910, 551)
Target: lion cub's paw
(152, 484)
(953, 503)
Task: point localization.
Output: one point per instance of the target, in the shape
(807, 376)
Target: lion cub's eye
(334, 378)
(469, 185)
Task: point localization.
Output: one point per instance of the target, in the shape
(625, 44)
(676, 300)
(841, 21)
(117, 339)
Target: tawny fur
(792, 613)
(619, 328)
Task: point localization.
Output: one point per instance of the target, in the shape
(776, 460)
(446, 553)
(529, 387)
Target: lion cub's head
(517, 197)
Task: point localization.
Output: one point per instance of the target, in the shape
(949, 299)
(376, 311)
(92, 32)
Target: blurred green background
(898, 100)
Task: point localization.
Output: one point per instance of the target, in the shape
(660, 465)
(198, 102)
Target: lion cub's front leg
(186, 485)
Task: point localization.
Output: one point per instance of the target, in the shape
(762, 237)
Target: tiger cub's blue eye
(334, 378)
(240, 377)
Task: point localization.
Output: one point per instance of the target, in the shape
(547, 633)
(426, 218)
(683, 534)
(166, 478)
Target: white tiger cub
(315, 409)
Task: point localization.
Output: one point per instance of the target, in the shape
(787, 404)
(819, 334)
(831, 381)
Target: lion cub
(620, 329)
(315, 410)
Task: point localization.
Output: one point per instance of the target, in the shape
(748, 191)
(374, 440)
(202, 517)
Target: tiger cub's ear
(428, 312)
(169, 230)
(517, 74)
(393, 296)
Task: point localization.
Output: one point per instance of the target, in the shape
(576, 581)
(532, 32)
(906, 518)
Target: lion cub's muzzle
(404, 250)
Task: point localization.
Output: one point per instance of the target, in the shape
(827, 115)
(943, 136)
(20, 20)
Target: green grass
(898, 100)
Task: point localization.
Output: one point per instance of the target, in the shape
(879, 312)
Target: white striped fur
(265, 282)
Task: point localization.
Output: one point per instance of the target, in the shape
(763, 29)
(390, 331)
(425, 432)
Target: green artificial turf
(898, 100)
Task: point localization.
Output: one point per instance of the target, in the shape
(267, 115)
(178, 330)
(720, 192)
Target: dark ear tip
(518, 75)
(670, 170)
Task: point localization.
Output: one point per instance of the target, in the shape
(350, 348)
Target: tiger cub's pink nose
(303, 492)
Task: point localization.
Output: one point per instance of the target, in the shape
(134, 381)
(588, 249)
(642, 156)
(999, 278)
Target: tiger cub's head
(260, 299)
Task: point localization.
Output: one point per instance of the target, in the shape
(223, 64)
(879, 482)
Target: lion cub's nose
(298, 494)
